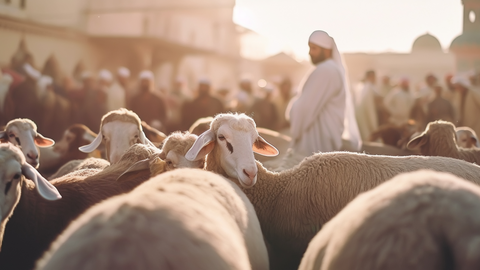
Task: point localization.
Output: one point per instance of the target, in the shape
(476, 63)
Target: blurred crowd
(455, 99)
(55, 101)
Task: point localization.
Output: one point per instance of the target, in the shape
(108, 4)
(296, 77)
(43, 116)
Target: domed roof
(471, 39)
(427, 43)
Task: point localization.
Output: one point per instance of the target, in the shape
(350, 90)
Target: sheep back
(421, 220)
(172, 223)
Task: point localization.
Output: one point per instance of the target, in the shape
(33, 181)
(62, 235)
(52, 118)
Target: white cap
(146, 74)
(204, 80)
(461, 80)
(105, 75)
(123, 72)
(268, 88)
(33, 73)
(322, 39)
(86, 75)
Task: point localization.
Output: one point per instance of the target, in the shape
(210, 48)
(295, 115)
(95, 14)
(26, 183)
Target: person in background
(202, 106)
(365, 109)
(399, 102)
(468, 107)
(440, 108)
(281, 101)
(264, 111)
(113, 90)
(175, 99)
(94, 104)
(322, 114)
(244, 98)
(149, 107)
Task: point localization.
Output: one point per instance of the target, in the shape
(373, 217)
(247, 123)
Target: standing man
(322, 113)
(365, 109)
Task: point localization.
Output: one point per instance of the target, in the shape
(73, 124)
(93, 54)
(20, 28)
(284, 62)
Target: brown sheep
(439, 139)
(35, 222)
(66, 149)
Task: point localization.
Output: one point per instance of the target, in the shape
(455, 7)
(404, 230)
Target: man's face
(317, 53)
(203, 89)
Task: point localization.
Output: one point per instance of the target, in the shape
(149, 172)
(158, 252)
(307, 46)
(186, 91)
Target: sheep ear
(3, 136)
(262, 147)
(145, 140)
(417, 142)
(45, 189)
(92, 146)
(203, 145)
(143, 164)
(41, 141)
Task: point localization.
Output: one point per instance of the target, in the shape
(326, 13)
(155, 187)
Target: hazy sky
(356, 25)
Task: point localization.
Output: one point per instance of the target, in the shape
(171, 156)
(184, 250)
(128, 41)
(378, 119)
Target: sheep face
(118, 137)
(73, 137)
(12, 167)
(174, 160)
(23, 134)
(466, 138)
(10, 188)
(233, 139)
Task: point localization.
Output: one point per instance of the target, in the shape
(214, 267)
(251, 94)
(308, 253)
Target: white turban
(146, 74)
(461, 80)
(42, 84)
(351, 132)
(32, 72)
(105, 75)
(123, 72)
(204, 80)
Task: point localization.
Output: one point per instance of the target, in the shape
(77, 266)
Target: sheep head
(466, 137)
(232, 139)
(442, 132)
(75, 136)
(119, 130)
(23, 134)
(14, 169)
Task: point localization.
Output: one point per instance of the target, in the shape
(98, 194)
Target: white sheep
(119, 129)
(421, 220)
(183, 219)
(35, 223)
(466, 137)
(80, 164)
(439, 139)
(294, 204)
(173, 152)
(13, 170)
(22, 132)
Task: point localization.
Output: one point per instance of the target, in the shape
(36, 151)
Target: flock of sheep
(220, 197)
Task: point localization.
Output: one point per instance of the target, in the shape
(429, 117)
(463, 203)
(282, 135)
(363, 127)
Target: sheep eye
(168, 162)
(11, 135)
(221, 137)
(7, 187)
(16, 176)
(136, 136)
(230, 147)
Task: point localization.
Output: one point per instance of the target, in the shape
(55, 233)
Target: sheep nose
(32, 156)
(250, 174)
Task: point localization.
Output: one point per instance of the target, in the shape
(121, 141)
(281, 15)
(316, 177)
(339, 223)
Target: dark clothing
(264, 113)
(93, 108)
(149, 107)
(440, 109)
(202, 106)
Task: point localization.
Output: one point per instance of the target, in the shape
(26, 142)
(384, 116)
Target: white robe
(115, 97)
(365, 110)
(399, 103)
(317, 113)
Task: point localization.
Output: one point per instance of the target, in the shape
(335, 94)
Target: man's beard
(319, 58)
